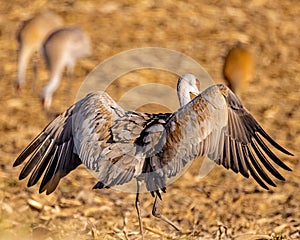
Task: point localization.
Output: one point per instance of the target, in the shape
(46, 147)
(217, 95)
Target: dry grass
(205, 209)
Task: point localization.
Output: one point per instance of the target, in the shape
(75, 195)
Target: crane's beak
(194, 94)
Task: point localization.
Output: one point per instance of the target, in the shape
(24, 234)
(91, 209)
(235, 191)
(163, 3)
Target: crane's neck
(183, 91)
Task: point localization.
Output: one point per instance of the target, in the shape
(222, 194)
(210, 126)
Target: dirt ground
(222, 205)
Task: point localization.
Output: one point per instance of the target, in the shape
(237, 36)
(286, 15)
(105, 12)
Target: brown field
(222, 205)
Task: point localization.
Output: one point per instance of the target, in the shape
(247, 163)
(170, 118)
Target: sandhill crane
(118, 145)
(30, 38)
(238, 68)
(62, 49)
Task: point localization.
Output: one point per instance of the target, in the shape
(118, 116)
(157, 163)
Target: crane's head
(187, 84)
(190, 83)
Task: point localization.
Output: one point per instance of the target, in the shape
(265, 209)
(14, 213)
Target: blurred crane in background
(61, 49)
(238, 68)
(30, 37)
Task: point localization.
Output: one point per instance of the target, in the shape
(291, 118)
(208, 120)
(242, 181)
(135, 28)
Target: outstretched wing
(51, 153)
(96, 132)
(244, 147)
(217, 125)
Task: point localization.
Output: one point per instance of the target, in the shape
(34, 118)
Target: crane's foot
(156, 213)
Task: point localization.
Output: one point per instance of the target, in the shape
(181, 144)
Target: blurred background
(203, 30)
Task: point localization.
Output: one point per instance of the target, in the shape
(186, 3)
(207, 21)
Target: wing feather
(244, 130)
(30, 149)
(265, 162)
(118, 146)
(267, 150)
(224, 131)
(242, 160)
(252, 171)
(39, 170)
(42, 151)
(96, 132)
(36, 157)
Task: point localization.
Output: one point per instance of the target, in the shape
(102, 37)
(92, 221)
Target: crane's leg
(138, 208)
(156, 213)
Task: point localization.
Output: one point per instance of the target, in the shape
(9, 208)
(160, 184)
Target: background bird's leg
(156, 213)
(70, 69)
(34, 73)
(137, 206)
